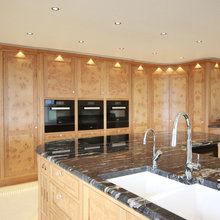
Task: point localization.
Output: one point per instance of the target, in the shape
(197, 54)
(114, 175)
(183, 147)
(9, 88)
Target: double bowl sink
(193, 202)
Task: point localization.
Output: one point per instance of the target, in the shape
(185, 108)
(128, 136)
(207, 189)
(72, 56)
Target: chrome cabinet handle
(59, 196)
(59, 173)
(44, 166)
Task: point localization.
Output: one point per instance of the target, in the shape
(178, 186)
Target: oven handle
(91, 108)
(59, 108)
(92, 148)
(119, 107)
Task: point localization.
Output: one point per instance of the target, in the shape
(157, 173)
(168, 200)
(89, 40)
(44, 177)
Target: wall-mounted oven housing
(59, 115)
(90, 115)
(117, 114)
(117, 143)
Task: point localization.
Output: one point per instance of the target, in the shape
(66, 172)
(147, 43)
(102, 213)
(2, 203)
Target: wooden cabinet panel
(61, 202)
(20, 114)
(139, 100)
(116, 131)
(214, 95)
(160, 104)
(58, 77)
(134, 217)
(90, 78)
(58, 136)
(66, 181)
(97, 207)
(118, 80)
(57, 216)
(94, 133)
(197, 99)
(178, 98)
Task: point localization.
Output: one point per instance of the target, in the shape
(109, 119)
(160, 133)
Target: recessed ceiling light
(182, 58)
(155, 53)
(117, 23)
(30, 33)
(121, 48)
(199, 41)
(81, 41)
(55, 9)
(163, 33)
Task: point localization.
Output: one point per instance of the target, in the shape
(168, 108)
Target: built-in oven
(117, 143)
(117, 114)
(90, 114)
(90, 146)
(59, 115)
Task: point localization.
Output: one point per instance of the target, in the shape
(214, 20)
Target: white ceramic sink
(146, 184)
(194, 202)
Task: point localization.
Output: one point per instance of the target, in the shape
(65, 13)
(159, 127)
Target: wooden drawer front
(82, 134)
(61, 202)
(42, 217)
(67, 181)
(58, 216)
(58, 136)
(117, 131)
(43, 167)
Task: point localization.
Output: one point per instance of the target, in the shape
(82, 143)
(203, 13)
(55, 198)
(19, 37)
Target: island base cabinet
(97, 207)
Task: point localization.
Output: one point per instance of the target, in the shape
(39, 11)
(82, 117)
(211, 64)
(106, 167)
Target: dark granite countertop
(93, 159)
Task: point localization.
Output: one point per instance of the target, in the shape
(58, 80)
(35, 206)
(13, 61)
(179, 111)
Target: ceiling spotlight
(199, 41)
(182, 58)
(81, 41)
(55, 9)
(163, 33)
(121, 48)
(30, 33)
(117, 23)
(155, 53)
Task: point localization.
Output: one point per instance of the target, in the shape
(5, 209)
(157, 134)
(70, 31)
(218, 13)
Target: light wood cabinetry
(20, 115)
(64, 196)
(214, 83)
(90, 78)
(169, 88)
(140, 99)
(58, 136)
(118, 80)
(59, 77)
(197, 98)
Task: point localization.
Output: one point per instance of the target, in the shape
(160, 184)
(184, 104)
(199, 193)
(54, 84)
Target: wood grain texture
(20, 114)
(118, 80)
(160, 101)
(58, 77)
(197, 99)
(90, 78)
(214, 95)
(139, 100)
(1, 120)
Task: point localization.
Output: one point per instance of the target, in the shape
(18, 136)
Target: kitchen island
(72, 183)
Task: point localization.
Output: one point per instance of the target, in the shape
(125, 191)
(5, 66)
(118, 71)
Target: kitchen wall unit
(118, 80)
(20, 116)
(90, 79)
(197, 97)
(59, 77)
(169, 96)
(155, 95)
(141, 96)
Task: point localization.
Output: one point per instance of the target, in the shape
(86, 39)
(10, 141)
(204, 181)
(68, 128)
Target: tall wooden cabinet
(90, 78)
(59, 78)
(140, 99)
(20, 115)
(118, 80)
(170, 90)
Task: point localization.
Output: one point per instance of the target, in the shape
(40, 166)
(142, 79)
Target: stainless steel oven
(90, 115)
(117, 143)
(59, 115)
(117, 114)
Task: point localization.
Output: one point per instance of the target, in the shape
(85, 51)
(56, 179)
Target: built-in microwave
(90, 114)
(59, 115)
(117, 114)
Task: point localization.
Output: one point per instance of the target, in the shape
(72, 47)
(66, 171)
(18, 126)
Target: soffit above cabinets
(138, 37)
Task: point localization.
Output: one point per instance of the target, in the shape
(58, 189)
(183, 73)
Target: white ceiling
(185, 21)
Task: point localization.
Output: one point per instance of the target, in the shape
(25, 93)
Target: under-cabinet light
(140, 68)
(117, 64)
(59, 58)
(20, 54)
(90, 62)
(216, 65)
(198, 66)
(180, 68)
